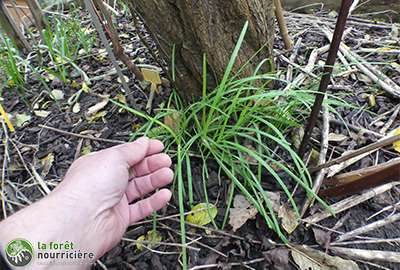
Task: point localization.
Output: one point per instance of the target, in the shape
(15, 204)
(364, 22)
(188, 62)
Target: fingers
(146, 207)
(135, 152)
(141, 186)
(151, 164)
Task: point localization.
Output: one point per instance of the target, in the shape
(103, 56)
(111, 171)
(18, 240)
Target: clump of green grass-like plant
(218, 126)
(12, 64)
(63, 44)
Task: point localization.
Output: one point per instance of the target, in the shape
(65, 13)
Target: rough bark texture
(212, 27)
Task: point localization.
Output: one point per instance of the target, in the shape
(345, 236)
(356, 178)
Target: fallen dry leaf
(46, 163)
(310, 259)
(21, 119)
(97, 107)
(41, 113)
(333, 137)
(172, 120)
(76, 108)
(278, 258)
(57, 94)
(241, 212)
(322, 237)
(288, 218)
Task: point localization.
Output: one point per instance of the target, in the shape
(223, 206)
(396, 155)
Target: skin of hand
(93, 206)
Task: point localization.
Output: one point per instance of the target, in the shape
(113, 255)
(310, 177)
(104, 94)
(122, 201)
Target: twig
(292, 59)
(391, 120)
(356, 128)
(113, 34)
(350, 202)
(159, 243)
(307, 69)
(196, 241)
(3, 171)
(96, 21)
(350, 177)
(369, 227)
(330, 62)
(322, 159)
(387, 208)
(81, 136)
(40, 181)
(363, 150)
(363, 242)
(368, 255)
(292, 64)
(372, 72)
(215, 265)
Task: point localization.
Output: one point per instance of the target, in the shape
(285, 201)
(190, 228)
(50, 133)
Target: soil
(252, 243)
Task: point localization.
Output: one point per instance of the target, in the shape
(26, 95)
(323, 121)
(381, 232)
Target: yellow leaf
(87, 149)
(75, 84)
(289, 218)
(152, 237)
(151, 75)
(139, 242)
(202, 214)
(6, 119)
(11, 83)
(46, 163)
(121, 98)
(85, 88)
(396, 145)
(372, 100)
(97, 116)
(136, 126)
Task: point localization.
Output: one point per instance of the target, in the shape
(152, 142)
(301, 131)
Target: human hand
(91, 206)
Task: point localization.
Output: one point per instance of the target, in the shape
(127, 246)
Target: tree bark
(209, 27)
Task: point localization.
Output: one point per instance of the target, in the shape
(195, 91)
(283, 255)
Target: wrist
(51, 232)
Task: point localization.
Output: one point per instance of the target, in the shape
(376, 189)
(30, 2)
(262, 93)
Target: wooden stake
(330, 62)
(282, 25)
(11, 29)
(40, 20)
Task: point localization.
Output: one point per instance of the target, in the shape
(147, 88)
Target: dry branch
(368, 255)
(382, 143)
(350, 202)
(370, 227)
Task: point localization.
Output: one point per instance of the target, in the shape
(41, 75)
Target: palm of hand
(106, 184)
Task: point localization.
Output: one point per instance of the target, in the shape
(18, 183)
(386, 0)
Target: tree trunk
(210, 27)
